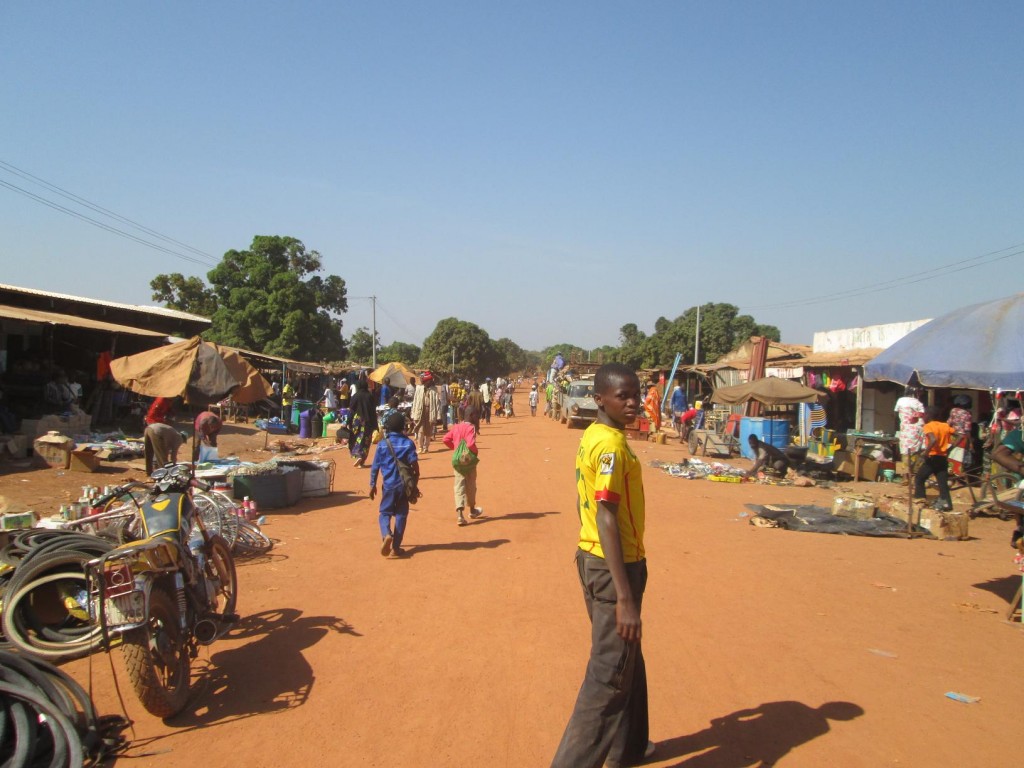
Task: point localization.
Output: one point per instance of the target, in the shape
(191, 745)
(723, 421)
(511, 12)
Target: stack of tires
(44, 593)
(46, 718)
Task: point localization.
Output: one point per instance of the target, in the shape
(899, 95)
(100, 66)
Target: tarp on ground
(813, 519)
(975, 347)
(770, 390)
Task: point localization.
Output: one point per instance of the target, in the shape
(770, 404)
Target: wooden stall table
(861, 440)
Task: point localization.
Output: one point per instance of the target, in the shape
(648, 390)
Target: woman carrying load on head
(652, 406)
(363, 422)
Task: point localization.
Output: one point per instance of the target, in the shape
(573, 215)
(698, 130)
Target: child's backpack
(410, 482)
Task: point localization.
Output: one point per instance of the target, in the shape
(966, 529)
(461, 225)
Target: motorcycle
(165, 594)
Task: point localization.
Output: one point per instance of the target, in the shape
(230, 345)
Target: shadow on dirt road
(760, 736)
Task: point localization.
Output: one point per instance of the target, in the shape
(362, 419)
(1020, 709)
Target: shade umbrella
(398, 374)
(254, 386)
(196, 370)
(770, 390)
(974, 347)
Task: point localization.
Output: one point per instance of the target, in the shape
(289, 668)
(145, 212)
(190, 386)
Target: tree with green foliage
(475, 355)
(633, 346)
(186, 294)
(268, 299)
(360, 346)
(722, 329)
(509, 357)
(399, 351)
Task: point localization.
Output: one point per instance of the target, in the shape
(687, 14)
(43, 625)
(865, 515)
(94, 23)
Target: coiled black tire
(36, 616)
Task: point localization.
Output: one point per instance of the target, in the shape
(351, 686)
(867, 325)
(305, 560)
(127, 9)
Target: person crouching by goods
(767, 457)
(161, 442)
(394, 504)
(207, 427)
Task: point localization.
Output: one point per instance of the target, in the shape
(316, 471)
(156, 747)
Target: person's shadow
(760, 736)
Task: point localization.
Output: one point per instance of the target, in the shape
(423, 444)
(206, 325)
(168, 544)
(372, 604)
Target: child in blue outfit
(394, 505)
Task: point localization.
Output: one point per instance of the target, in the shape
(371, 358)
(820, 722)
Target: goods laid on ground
(695, 469)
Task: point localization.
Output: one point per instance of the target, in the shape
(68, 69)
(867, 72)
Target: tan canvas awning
(55, 318)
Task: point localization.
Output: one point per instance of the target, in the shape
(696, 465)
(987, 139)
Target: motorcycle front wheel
(156, 658)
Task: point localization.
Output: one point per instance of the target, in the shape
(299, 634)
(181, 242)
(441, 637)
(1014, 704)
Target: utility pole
(696, 340)
(373, 333)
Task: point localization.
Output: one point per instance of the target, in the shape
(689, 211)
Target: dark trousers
(933, 465)
(610, 717)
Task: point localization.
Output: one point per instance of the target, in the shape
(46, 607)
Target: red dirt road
(470, 651)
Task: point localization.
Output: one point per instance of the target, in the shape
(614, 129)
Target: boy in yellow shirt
(609, 722)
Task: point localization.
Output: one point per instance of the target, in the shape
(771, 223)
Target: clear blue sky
(547, 170)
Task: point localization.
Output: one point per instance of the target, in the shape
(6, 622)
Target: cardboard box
(948, 526)
(842, 461)
(85, 460)
(856, 506)
(15, 520)
(53, 450)
(868, 469)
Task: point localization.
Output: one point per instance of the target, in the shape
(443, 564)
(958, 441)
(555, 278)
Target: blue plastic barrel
(306, 424)
(772, 431)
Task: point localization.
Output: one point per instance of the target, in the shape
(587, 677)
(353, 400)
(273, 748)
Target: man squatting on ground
(609, 721)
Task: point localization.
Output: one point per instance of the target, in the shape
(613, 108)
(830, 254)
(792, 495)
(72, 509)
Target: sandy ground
(763, 646)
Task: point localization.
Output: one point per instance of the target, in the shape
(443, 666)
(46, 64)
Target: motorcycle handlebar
(201, 485)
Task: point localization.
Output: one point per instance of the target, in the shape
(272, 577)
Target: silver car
(578, 406)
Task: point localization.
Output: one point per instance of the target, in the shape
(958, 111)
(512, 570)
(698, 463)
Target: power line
(206, 257)
(897, 282)
(101, 225)
(396, 321)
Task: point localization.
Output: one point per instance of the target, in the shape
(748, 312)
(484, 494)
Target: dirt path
(762, 645)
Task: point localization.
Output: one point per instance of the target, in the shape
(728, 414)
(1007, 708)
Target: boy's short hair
(610, 372)
(393, 401)
(395, 423)
(931, 413)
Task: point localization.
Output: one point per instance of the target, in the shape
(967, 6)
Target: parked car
(577, 405)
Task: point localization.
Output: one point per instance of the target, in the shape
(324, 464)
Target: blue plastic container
(772, 431)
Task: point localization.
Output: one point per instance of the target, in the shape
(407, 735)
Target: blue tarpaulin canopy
(975, 347)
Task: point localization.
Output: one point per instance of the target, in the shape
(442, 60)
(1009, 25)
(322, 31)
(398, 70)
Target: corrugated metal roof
(113, 304)
(55, 318)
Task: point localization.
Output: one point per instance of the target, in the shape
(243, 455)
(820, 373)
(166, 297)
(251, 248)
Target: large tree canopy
(474, 352)
(398, 351)
(360, 346)
(268, 298)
